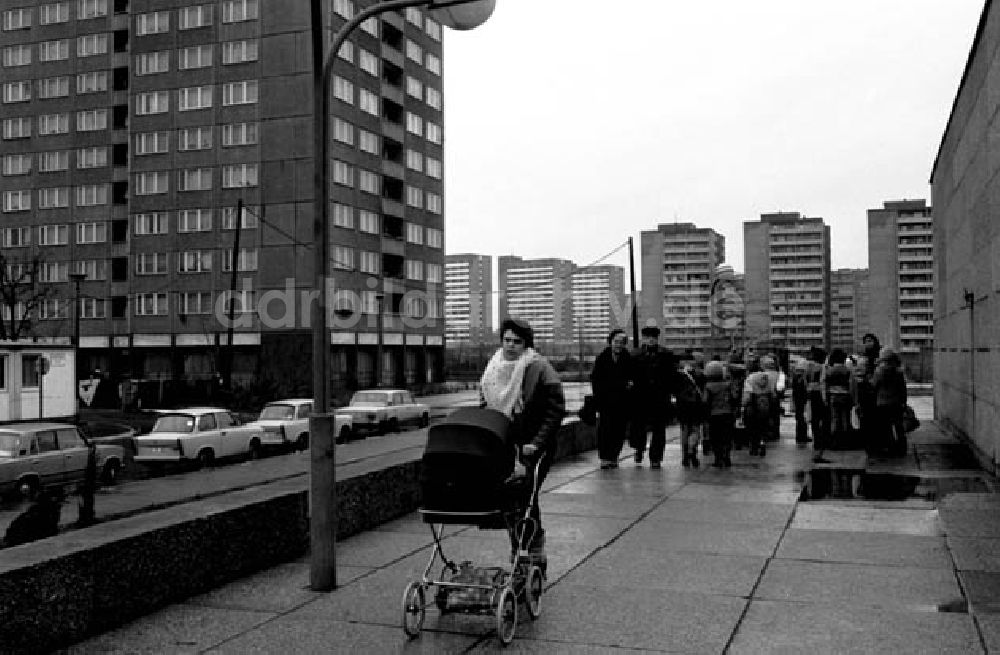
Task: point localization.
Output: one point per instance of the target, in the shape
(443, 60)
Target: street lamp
(456, 14)
(378, 343)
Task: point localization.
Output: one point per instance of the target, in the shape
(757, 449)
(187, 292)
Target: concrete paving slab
(983, 591)
(739, 491)
(865, 548)
(979, 522)
(680, 622)
(671, 536)
(578, 504)
(492, 548)
(794, 628)
(811, 516)
(624, 482)
(376, 548)
(560, 528)
(626, 569)
(970, 501)
(413, 523)
(175, 629)
(989, 625)
(975, 554)
(772, 515)
(522, 646)
(898, 587)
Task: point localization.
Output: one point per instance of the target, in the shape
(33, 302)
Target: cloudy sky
(570, 127)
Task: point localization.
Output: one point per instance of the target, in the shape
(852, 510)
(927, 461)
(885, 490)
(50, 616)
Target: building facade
(848, 310)
(787, 277)
(539, 291)
(133, 129)
(677, 262)
(468, 299)
(599, 303)
(901, 265)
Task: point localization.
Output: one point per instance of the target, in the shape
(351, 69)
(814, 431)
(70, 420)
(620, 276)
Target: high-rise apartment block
(468, 300)
(787, 259)
(678, 265)
(132, 129)
(539, 291)
(901, 265)
(599, 304)
(848, 308)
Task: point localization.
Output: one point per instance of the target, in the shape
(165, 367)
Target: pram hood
(472, 431)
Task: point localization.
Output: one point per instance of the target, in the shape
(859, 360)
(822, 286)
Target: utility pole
(635, 300)
(234, 265)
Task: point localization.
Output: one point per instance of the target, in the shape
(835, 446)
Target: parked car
(37, 455)
(286, 424)
(201, 434)
(385, 410)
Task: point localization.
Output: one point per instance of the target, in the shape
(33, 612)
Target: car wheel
(302, 443)
(393, 425)
(345, 434)
(425, 420)
(255, 450)
(206, 458)
(383, 427)
(111, 473)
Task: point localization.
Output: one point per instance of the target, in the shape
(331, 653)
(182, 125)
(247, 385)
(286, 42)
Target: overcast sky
(570, 127)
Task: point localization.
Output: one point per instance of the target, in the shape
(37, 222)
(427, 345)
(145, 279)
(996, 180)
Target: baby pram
(469, 478)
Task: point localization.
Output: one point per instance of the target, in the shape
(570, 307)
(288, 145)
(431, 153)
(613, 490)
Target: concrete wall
(966, 197)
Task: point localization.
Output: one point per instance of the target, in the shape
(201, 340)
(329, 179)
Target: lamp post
(457, 14)
(76, 278)
(378, 343)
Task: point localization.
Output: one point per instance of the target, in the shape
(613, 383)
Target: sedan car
(385, 410)
(200, 434)
(36, 455)
(286, 423)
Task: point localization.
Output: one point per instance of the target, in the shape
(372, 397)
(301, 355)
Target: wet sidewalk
(673, 560)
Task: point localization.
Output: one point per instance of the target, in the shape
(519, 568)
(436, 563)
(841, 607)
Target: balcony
(391, 92)
(393, 208)
(393, 18)
(392, 246)
(392, 169)
(392, 55)
(393, 131)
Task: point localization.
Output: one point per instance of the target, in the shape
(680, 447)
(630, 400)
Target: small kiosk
(37, 381)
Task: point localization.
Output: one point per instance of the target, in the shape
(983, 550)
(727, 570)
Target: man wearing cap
(654, 369)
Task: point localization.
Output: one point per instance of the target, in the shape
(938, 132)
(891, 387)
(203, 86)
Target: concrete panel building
(965, 187)
(848, 312)
(599, 303)
(539, 291)
(468, 299)
(901, 267)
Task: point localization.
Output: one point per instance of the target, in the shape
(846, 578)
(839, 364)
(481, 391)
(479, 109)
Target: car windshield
(277, 412)
(369, 398)
(174, 423)
(8, 444)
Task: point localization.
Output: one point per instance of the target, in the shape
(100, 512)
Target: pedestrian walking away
(611, 383)
(653, 368)
(691, 414)
(721, 404)
(890, 403)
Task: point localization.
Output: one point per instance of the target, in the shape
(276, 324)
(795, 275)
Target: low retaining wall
(60, 590)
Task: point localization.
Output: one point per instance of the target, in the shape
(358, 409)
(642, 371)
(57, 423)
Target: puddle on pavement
(854, 483)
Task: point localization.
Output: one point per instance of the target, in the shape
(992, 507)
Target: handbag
(588, 413)
(910, 420)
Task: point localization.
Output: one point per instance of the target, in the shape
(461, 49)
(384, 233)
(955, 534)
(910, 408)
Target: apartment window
(346, 51)
(435, 237)
(434, 168)
(414, 16)
(368, 142)
(151, 63)
(17, 55)
(96, 232)
(433, 29)
(414, 197)
(343, 173)
(90, 120)
(344, 8)
(151, 263)
(368, 221)
(433, 98)
(234, 11)
(194, 220)
(369, 182)
(235, 176)
(16, 201)
(194, 138)
(16, 237)
(239, 52)
(16, 164)
(49, 162)
(239, 134)
(414, 52)
(92, 82)
(151, 183)
(342, 258)
(53, 235)
(194, 97)
(198, 56)
(189, 18)
(152, 102)
(96, 157)
(194, 179)
(17, 128)
(150, 304)
(150, 223)
(53, 308)
(369, 262)
(90, 195)
(195, 302)
(413, 307)
(414, 88)
(56, 12)
(368, 62)
(249, 221)
(414, 124)
(91, 9)
(433, 63)
(243, 301)
(57, 50)
(239, 93)
(195, 261)
(53, 198)
(17, 91)
(156, 22)
(343, 90)
(343, 215)
(245, 261)
(414, 269)
(368, 102)
(343, 131)
(93, 307)
(89, 45)
(415, 233)
(17, 19)
(370, 26)
(434, 273)
(434, 134)
(92, 269)
(152, 143)
(369, 303)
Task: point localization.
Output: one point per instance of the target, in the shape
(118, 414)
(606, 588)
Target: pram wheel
(506, 614)
(533, 587)
(414, 609)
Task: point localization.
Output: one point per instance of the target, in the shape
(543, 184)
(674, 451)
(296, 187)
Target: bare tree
(21, 294)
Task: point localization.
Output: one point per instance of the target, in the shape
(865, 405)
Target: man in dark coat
(871, 349)
(611, 382)
(654, 369)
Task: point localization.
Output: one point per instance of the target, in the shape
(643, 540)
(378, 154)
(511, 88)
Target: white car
(201, 434)
(286, 424)
(385, 410)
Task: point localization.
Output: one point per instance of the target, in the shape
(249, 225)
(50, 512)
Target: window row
(196, 138)
(191, 220)
(57, 160)
(54, 235)
(55, 87)
(245, 92)
(188, 18)
(197, 56)
(234, 176)
(87, 45)
(54, 12)
(88, 195)
(195, 261)
(87, 120)
(342, 258)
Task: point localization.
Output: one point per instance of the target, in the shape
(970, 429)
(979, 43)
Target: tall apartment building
(599, 303)
(677, 263)
(848, 308)
(539, 291)
(901, 261)
(468, 299)
(131, 130)
(787, 259)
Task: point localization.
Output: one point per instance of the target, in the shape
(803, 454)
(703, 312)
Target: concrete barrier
(57, 591)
